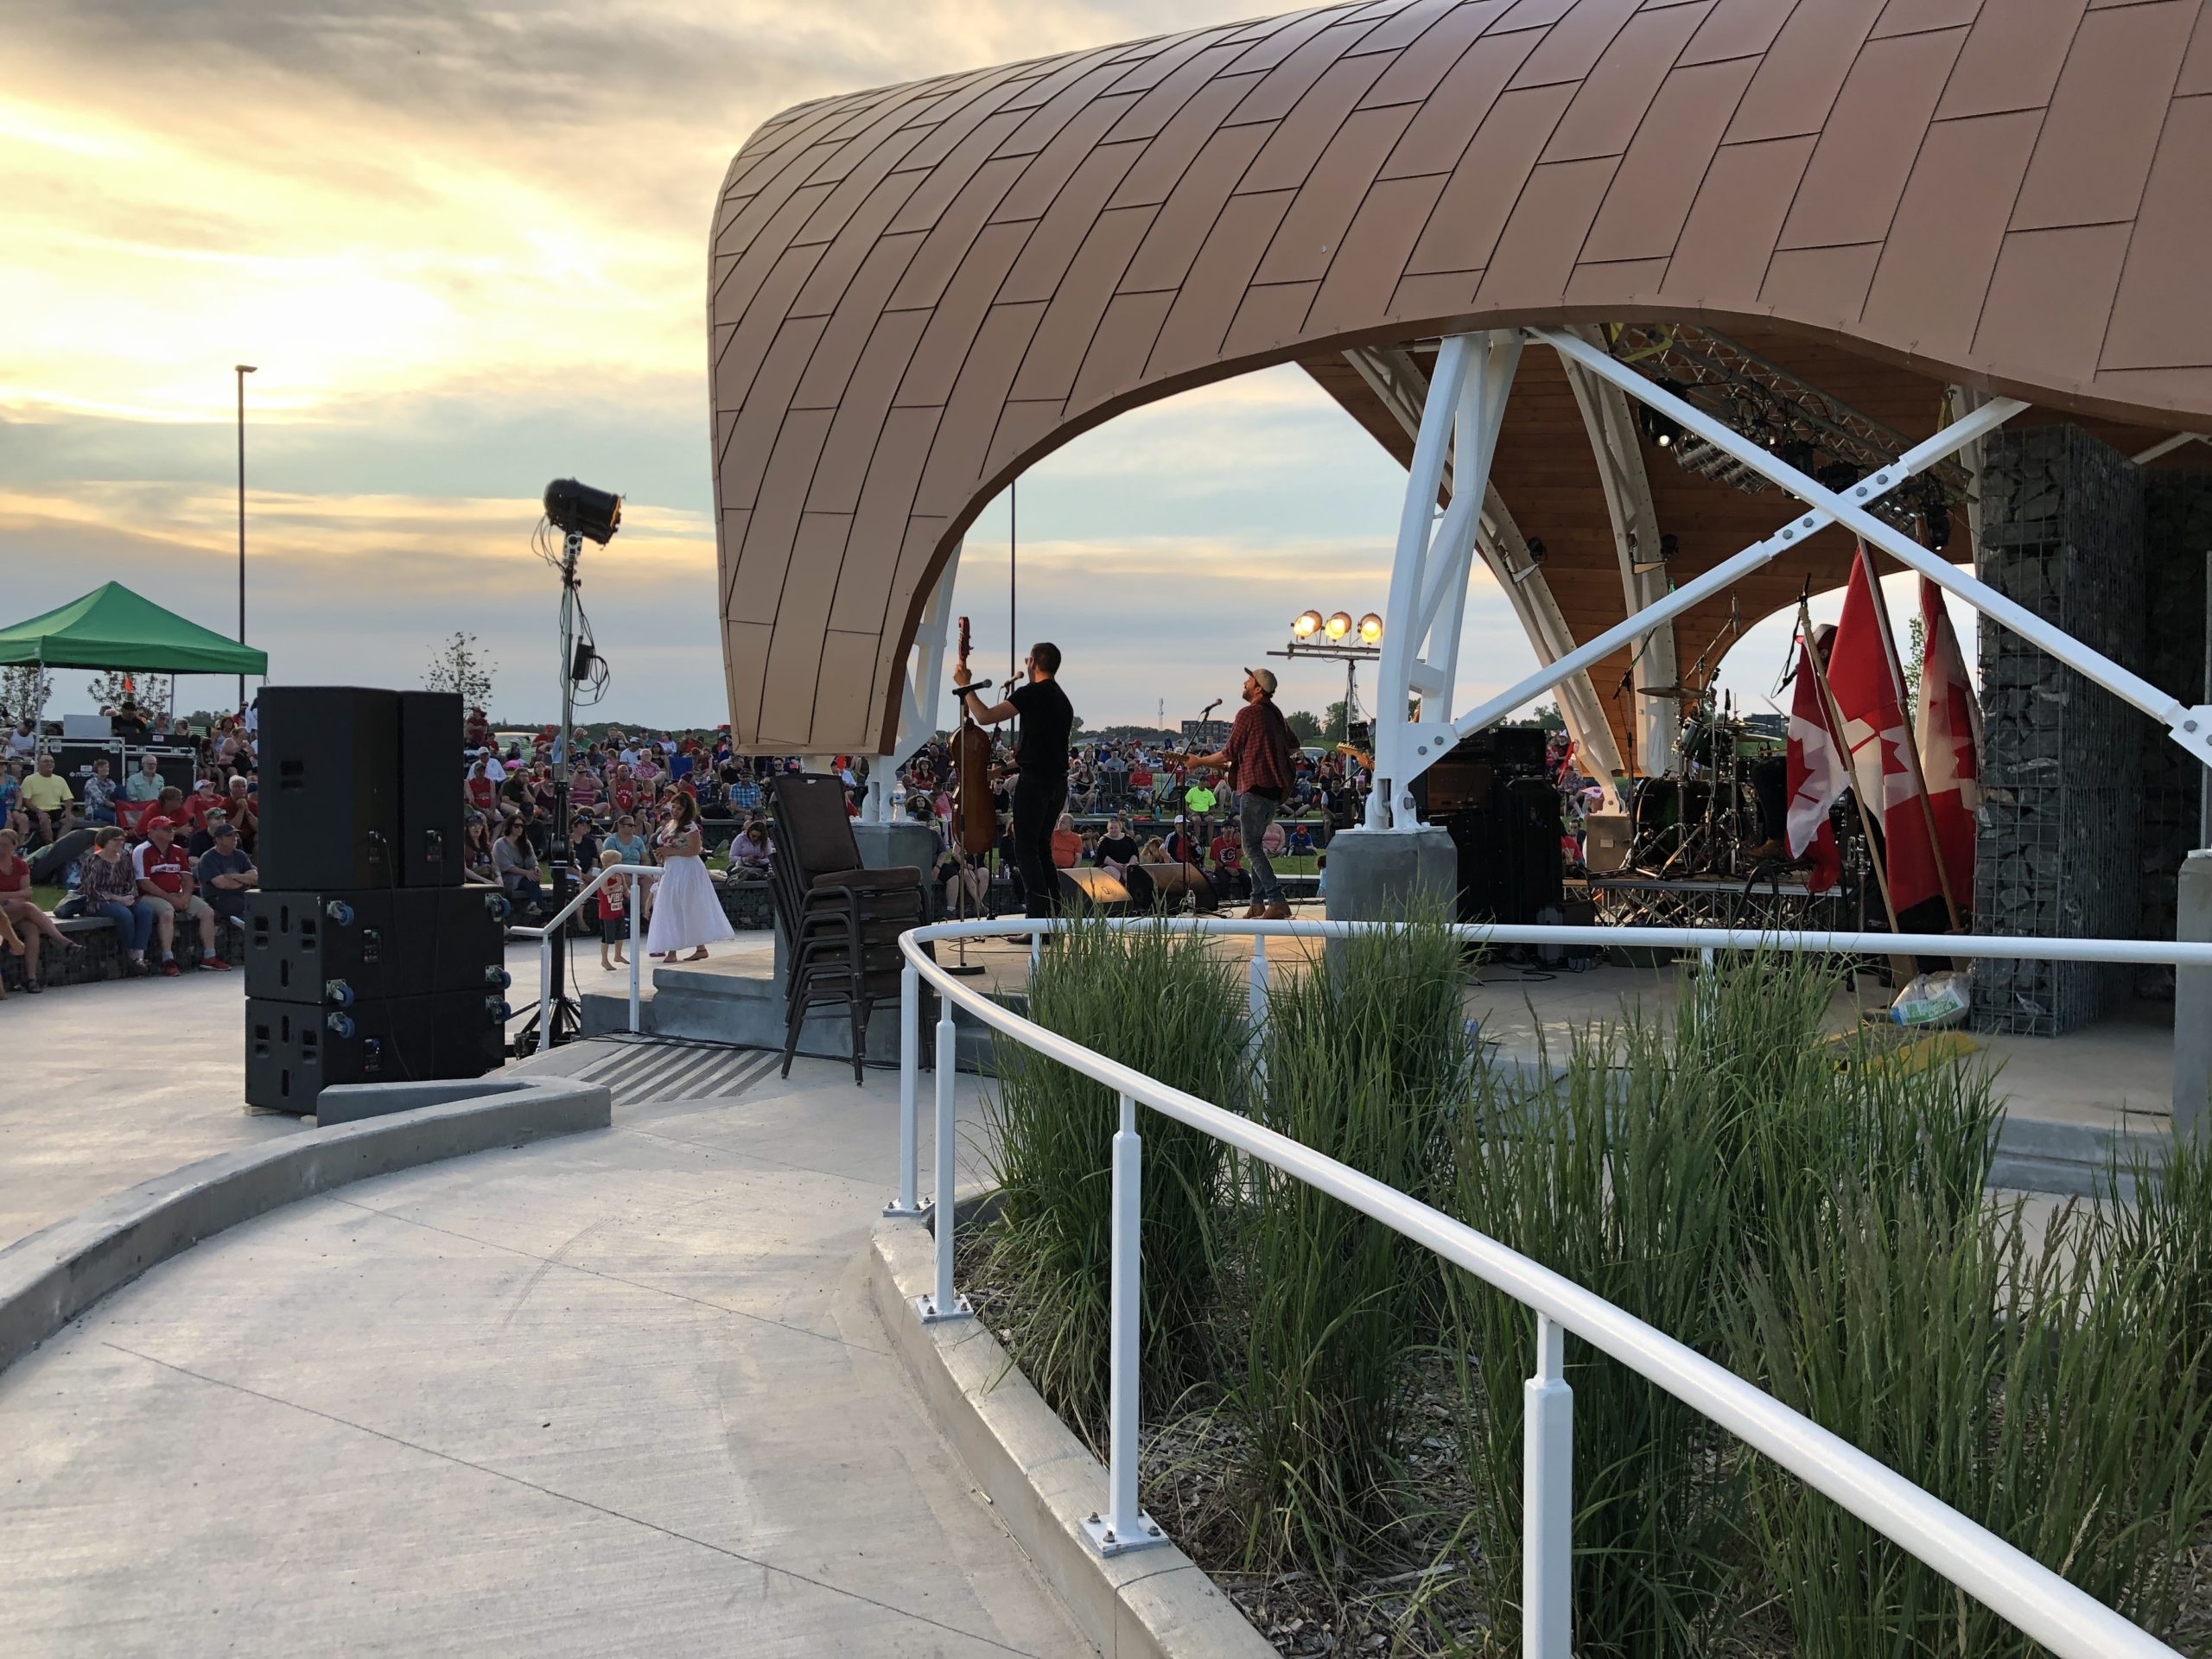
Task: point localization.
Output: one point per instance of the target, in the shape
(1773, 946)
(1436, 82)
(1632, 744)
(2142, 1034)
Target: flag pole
(1807, 654)
(1911, 737)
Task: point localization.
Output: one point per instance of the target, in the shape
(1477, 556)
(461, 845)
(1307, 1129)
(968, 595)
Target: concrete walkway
(622, 1393)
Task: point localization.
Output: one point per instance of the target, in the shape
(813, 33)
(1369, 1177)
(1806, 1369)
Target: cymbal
(1679, 693)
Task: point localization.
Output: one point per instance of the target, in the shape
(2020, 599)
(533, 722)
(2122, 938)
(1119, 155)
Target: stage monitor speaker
(329, 788)
(1163, 886)
(295, 1050)
(1605, 840)
(1085, 888)
(356, 945)
(429, 789)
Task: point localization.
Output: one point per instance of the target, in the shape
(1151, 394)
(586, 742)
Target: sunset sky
(465, 247)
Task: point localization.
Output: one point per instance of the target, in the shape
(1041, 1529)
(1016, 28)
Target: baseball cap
(158, 824)
(221, 827)
(1266, 676)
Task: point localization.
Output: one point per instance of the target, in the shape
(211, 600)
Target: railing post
(1125, 1526)
(1547, 1502)
(943, 1302)
(910, 1064)
(544, 991)
(636, 938)
(1259, 1005)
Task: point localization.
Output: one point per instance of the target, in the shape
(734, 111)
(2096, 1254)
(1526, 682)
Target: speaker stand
(964, 967)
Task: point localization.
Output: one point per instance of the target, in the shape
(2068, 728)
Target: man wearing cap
(1258, 758)
(164, 872)
(225, 873)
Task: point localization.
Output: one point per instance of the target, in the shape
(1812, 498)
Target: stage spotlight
(1795, 452)
(1670, 544)
(1838, 476)
(577, 509)
(1659, 427)
(1339, 625)
(1536, 550)
(1370, 629)
(1308, 625)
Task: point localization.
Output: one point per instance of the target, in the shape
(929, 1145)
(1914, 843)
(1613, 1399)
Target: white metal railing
(549, 930)
(2039, 1601)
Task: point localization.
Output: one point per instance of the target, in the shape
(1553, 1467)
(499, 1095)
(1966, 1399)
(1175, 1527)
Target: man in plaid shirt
(1258, 758)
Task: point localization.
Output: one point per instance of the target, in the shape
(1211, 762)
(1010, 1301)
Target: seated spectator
(482, 793)
(100, 793)
(108, 885)
(224, 873)
(583, 786)
(476, 861)
(243, 811)
(192, 813)
(23, 742)
(1155, 852)
(49, 801)
(26, 917)
(1301, 840)
(1228, 854)
(752, 853)
(1117, 848)
(12, 816)
(130, 722)
(145, 784)
(955, 873)
(516, 859)
(626, 841)
(164, 870)
(1067, 845)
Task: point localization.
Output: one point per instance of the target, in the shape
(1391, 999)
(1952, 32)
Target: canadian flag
(1870, 699)
(1949, 729)
(1817, 779)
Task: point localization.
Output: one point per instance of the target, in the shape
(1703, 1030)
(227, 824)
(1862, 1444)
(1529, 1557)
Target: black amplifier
(295, 1050)
(354, 946)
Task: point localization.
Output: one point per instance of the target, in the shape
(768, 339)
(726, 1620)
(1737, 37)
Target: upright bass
(976, 819)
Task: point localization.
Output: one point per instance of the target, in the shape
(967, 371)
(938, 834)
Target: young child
(613, 913)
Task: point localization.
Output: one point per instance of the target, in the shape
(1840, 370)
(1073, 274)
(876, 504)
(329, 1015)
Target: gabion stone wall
(2058, 851)
(2176, 534)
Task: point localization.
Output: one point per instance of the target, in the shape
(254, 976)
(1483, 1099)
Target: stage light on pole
(579, 510)
(1370, 629)
(1308, 625)
(1339, 625)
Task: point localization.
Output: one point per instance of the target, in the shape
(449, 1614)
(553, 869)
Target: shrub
(1367, 1062)
(1157, 1002)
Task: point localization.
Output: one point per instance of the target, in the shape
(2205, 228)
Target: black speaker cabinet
(352, 945)
(1161, 886)
(429, 789)
(295, 1050)
(329, 788)
(1087, 887)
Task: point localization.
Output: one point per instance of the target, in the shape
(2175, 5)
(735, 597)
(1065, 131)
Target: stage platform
(2068, 1099)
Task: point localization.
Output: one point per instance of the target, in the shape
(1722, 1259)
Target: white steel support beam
(917, 697)
(1460, 418)
(1398, 382)
(2189, 725)
(1916, 460)
(1655, 722)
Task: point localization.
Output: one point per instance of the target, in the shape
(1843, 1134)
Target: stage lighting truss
(1820, 435)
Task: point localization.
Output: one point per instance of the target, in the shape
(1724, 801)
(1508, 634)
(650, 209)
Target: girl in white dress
(686, 911)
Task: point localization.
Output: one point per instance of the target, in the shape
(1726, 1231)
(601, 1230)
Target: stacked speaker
(367, 960)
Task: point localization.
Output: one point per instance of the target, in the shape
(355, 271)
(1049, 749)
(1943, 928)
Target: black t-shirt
(1047, 724)
(1121, 848)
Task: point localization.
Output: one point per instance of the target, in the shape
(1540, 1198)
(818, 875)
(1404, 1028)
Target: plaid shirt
(1259, 748)
(99, 882)
(745, 795)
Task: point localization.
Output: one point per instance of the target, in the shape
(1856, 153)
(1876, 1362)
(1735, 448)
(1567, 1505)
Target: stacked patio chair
(841, 922)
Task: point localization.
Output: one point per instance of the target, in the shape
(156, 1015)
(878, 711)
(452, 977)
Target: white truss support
(1460, 416)
(1655, 722)
(2189, 725)
(1915, 461)
(1398, 382)
(917, 698)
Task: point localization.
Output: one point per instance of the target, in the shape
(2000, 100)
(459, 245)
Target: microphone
(1206, 713)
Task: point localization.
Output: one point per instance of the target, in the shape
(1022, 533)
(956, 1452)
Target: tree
(1333, 725)
(1545, 717)
(1304, 724)
(462, 666)
(24, 690)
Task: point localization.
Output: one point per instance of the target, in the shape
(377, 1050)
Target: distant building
(1205, 736)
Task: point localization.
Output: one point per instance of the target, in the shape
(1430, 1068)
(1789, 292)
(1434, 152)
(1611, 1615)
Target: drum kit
(1704, 824)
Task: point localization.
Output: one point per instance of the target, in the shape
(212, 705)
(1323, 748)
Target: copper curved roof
(916, 292)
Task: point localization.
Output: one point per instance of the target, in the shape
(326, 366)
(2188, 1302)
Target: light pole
(1333, 641)
(242, 370)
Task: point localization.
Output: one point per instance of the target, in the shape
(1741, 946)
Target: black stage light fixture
(1795, 452)
(575, 509)
(1536, 550)
(1661, 428)
(1840, 475)
(1670, 544)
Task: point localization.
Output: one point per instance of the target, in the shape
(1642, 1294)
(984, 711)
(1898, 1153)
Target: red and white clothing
(167, 868)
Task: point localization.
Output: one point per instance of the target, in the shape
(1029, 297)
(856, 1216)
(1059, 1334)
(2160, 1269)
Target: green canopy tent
(114, 627)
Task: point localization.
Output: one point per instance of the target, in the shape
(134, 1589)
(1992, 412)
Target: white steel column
(1399, 385)
(917, 697)
(1610, 424)
(1429, 577)
(2189, 725)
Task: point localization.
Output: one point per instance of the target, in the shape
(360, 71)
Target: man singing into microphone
(1040, 760)
(1259, 762)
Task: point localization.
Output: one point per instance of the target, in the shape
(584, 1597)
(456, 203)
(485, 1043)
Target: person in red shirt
(205, 796)
(613, 913)
(164, 871)
(483, 793)
(1258, 757)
